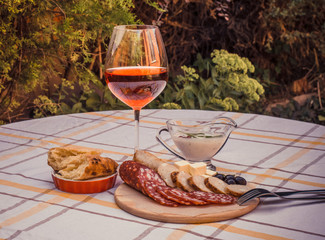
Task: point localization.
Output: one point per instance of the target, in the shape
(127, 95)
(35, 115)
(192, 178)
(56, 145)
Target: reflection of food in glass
(198, 147)
(136, 86)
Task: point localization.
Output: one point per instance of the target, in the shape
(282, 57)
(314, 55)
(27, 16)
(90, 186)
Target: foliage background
(52, 52)
(285, 40)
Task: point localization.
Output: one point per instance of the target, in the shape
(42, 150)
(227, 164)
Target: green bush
(221, 82)
(310, 111)
(51, 54)
(294, 39)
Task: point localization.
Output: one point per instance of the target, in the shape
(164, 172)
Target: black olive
(220, 176)
(240, 180)
(230, 181)
(228, 177)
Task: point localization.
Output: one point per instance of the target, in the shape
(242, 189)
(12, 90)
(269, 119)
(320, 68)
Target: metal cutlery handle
(318, 194)
(288, 193)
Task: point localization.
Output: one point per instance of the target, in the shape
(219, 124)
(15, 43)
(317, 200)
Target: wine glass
(136, 67)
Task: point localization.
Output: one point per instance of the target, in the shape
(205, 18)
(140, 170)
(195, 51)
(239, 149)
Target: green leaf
(93, 102)
(321, 118)
(76, 108)
(64, 108)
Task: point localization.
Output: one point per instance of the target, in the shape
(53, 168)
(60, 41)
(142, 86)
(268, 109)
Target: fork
(260, 192)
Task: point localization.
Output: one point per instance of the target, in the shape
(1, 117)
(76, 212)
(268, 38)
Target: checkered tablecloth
(277, 154)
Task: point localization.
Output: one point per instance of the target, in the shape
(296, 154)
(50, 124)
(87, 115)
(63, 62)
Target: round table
(274, 153)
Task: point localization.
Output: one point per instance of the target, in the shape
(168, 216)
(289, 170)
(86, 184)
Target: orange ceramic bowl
(94, 185)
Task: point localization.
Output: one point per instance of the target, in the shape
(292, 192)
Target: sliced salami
(213, 197)
(151, 187)
(165, 191)
(180, 196)
(134, 174)
(151, 175)
(129, 173)
(144, 180)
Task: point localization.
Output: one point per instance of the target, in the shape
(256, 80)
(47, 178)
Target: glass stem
(137, 119)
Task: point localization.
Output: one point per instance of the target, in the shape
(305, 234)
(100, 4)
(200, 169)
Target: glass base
(210, 166)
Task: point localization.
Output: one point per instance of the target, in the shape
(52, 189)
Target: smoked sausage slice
(134, 173)
(145, 180)
(213, 197)
(151, 191)
(179, 196)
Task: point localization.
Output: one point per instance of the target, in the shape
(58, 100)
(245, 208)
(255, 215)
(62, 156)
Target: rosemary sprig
(200, 135)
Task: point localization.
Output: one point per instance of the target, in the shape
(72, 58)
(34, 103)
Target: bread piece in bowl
(60, 157)
(80, 165)
(88, 167)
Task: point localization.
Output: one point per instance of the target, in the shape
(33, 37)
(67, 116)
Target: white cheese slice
(182, 166)
(197, 168)
(210, 172)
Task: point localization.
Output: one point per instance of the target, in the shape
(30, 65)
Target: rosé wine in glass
(136, 67)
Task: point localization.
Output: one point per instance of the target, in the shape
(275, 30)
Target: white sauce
(198, 148)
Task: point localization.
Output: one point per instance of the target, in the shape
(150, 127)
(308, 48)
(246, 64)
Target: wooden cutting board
(140, 205)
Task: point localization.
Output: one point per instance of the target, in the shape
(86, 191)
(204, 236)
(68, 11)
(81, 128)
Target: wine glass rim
(135, 27)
